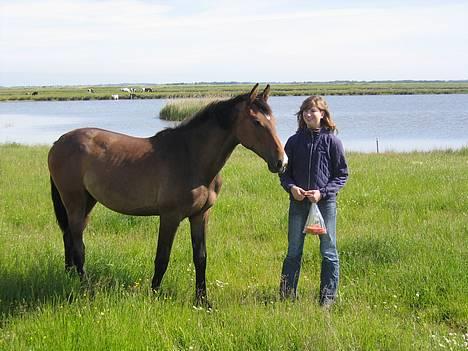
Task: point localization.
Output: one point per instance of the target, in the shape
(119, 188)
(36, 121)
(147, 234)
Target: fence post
(377, 144)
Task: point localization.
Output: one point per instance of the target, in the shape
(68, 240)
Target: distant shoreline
(198, 90)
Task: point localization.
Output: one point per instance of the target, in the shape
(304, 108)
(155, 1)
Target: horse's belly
(128, 197)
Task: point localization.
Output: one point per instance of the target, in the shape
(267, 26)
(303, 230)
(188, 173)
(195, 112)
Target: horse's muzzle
(278, 167)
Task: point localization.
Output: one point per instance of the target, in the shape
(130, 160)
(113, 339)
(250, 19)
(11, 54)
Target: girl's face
(312, 117)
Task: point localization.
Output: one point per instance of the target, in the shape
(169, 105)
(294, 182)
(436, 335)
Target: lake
(400, 122)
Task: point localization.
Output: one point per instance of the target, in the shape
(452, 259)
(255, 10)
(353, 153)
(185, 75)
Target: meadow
(402, 235)
(186, 90)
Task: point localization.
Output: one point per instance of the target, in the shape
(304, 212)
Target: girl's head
(315, 107)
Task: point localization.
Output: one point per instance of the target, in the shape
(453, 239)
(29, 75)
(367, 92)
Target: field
(216, 90)
(402, 235)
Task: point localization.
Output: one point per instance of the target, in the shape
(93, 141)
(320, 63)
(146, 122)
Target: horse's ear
(266, 93)
(253, 93)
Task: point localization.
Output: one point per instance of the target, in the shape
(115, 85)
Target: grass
(61, 93)
(180, 109)
(402, 228)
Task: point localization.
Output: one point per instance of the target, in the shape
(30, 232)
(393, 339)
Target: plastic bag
(315, 223)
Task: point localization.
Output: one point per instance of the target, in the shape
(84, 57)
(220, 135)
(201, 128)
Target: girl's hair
(320, 103)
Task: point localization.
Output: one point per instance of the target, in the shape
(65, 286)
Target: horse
(173, 174)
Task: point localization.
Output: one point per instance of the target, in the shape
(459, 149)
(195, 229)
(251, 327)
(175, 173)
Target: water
(400, 122)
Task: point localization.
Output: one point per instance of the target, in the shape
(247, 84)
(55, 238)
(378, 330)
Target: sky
(56, 42)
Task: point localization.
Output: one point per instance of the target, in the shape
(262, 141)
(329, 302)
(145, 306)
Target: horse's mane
(221, 111)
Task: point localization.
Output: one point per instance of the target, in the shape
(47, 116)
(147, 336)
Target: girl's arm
(339, 170)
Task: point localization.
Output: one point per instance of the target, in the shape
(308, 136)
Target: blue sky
(90, 42)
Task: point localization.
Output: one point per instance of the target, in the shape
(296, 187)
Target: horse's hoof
(203, 302)
(84, 278)
(69, 269)
(155, 288)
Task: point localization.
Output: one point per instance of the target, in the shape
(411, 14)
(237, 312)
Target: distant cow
(125, 90)
(90, 90)
(34, 93)
(115, 96)
(146, 90)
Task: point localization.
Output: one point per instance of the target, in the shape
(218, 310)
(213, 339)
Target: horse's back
(88, 145)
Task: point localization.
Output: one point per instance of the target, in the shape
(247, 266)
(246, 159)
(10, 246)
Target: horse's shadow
(41, 286)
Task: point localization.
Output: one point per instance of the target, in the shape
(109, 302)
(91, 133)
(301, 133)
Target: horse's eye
(257, 123)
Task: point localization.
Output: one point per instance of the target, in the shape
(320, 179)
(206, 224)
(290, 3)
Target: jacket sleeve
(339, 171)
(286, 178)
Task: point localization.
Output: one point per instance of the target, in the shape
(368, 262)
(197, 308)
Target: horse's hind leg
(167, 229)
(68, 245)
(62, 220)
(78, 205)
(198, 233)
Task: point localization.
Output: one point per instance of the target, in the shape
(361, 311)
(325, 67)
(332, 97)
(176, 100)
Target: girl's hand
(313, 195)
(298, 193)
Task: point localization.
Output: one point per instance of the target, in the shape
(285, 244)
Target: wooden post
(377, 144)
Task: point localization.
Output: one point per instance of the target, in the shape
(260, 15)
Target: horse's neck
(210, 146)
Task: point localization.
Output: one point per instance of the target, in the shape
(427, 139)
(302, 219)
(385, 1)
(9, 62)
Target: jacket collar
(307, 131)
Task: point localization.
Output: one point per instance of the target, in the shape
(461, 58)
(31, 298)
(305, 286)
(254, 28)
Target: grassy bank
(402, 228)
(180, 109)
(210, 90)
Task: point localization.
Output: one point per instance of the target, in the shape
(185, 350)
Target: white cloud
(114, 41)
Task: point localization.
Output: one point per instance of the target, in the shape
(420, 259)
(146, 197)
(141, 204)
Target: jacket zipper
(310, 159)
(312, 150)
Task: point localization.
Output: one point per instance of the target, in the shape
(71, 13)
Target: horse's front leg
(198, 231)
(168, 225)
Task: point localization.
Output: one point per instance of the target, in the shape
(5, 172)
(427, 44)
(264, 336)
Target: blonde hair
(320, 103)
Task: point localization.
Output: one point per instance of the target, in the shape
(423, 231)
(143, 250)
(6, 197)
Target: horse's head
(256, 129)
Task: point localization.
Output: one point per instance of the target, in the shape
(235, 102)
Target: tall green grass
(402, 231)
(180, 109)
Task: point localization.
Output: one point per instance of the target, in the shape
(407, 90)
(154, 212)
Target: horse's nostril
(279, 165)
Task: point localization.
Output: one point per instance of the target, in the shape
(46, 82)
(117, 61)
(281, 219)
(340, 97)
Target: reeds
(180, 109)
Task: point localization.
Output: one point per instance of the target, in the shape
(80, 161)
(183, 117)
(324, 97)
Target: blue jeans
(329, 277)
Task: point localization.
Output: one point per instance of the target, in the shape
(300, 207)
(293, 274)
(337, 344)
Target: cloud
(177, 41)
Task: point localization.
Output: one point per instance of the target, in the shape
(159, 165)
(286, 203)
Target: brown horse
(174, 174)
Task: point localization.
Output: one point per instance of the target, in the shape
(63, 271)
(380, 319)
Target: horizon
(102, 42)
(242, 83)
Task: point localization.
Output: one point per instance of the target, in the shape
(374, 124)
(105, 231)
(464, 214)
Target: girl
(317, 170)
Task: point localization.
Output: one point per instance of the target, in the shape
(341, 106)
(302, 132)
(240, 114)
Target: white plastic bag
(315, 223)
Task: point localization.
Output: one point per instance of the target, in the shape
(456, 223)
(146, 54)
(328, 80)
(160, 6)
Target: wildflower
(220, 284)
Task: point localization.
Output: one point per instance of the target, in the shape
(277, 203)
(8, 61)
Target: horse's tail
(59, 208)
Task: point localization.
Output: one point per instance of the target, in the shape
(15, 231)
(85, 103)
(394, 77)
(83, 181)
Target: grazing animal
(115, 96)
(34, 93)
(127, 90)
(146, 90)
(90, 90)
(173, 174)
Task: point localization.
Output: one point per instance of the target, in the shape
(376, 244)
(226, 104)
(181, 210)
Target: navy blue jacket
(315, 161)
